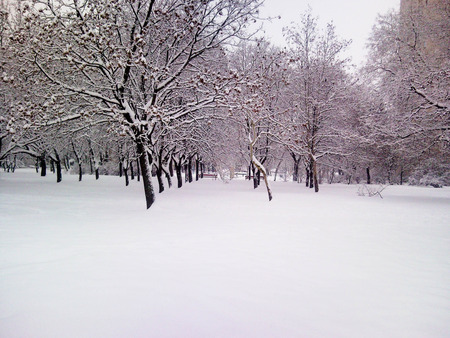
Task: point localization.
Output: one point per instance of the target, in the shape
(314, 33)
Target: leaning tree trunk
(146, 174)
(168, 178)
(368, 175)
(138, 170)
(262, 170)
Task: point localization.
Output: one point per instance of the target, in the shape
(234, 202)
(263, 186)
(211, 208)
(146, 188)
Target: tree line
(164, 87)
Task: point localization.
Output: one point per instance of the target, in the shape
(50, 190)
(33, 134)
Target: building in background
(426, 25)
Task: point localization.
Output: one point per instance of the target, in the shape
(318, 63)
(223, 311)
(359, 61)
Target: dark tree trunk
(138, 169)
(52, 166)
(97, 174)
(368, 175)
(255, 178)
(258, 177)
(91, 165)
(171, 167)
(190, 170)
(186, 175)
(160, 180)
(13, 169)
(58, 168)
(201, 170)
(179, 176)
(197, 168)
(296, 165)
(146, 174)
(250, 172)
(307, 177)
(311, 175)
(168, 178)
(120, 168)
(125, 172)
(131, 170)
(36, 165)
(43, 166)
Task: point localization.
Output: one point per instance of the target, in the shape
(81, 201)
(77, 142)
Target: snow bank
(86, 259)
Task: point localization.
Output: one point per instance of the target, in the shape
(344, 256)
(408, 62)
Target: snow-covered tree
(128, 61)
(409, 68)
(318, 87)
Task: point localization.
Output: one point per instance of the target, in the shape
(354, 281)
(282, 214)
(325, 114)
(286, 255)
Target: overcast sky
(353, 18)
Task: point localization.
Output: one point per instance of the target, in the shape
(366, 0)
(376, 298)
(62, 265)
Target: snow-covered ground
(218, 260)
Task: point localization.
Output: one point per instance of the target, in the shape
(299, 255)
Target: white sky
(353, 19)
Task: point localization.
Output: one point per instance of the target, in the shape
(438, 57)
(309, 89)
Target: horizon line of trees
(153, 87)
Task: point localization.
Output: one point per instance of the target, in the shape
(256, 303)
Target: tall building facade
(426, 23)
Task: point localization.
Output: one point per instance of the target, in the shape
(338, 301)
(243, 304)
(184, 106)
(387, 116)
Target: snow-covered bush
(431, 173)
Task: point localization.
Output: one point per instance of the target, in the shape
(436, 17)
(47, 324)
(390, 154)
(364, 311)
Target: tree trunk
(255, 179)
(66, 163)
(131, 170)
(201, 170)
(168, 178)
(120, 168)
(179, 176)
(13, 169)
(43, 166)
(296, 165)
(52, 166)
(190, 170)
(368, 175)
(314, 170)
(138, 168)
(125, 172)
(160, 180)
(295, 173)
(58, 172)
(58, 168)
(311, 175)
(146, 174)
(171, 167)
(197, 168)
(80, 172)
(307, 177)
(262, 170)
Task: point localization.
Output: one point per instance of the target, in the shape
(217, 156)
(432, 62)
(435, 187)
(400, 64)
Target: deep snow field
(86, 259)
